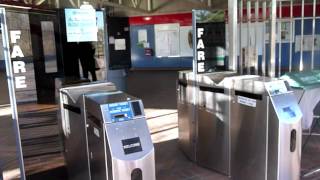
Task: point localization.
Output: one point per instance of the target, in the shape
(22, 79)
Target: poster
(142, 36)
(167, 40)
(307, 43)
(111, 40)
(81, 25)
(285, 31)
(186, 41)
(120, 44)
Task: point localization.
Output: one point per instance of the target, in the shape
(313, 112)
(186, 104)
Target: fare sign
(200, 51)
(19, 66)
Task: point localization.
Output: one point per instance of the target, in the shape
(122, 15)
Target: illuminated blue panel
(289, 113)
(81, 25)
(120, 112)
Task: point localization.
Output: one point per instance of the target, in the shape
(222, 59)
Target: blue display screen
(120, 112)
(289, 113)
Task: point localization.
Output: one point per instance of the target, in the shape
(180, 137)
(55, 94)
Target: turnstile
(265, 130)
(120, 144)
(106, 134)
(213, 119)
(74, 127)
(213, 140)
(186, 114)
(204, 118)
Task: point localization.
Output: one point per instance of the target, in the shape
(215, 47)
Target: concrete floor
(158, 91)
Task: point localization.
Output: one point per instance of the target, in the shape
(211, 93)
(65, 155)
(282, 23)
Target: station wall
(285, 45)
(138, 57)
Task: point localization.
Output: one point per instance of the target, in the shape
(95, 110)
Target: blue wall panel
(306, 54)
(139, 60)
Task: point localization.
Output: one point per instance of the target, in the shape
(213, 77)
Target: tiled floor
(157, 89)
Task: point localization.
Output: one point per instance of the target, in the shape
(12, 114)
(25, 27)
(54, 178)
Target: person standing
(87, 59)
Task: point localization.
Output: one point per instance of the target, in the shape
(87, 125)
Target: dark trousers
(92, 72)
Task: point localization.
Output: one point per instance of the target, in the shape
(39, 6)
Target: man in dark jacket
(87, 60)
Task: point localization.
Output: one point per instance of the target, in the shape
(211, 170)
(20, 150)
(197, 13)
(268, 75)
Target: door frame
(11, 88)
(35, 18)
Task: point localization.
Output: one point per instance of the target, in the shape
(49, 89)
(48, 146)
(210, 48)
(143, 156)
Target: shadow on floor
(157, 89)
(172, 164)
(55, 174)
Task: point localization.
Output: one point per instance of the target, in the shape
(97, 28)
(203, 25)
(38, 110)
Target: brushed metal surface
(108, 160)
(213, 118)
(248, 132)
(261, 135)
(186, 114)
(213, 144)
(123, 165)
(288, 161)
(74, 128)
(97, 150)
(187, 130)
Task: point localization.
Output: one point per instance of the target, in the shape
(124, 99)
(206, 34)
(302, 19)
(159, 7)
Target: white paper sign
(247, 101)
(307, 43)
(276, 87)
(111, 40)
(96, 132)
(142, 35)
(119, 44)
(167, 40)
(186, 41)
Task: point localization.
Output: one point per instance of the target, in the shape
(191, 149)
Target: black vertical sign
(209, 39)
(210, 47)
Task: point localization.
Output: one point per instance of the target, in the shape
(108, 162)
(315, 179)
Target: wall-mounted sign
(209, 36)
(19, 66)
(167, 40)
(148, 52)
(186, 41)
(200, 51)
(81, 25)
(308, 40)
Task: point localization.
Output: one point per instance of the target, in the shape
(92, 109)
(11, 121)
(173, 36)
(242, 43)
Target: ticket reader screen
(124, 111)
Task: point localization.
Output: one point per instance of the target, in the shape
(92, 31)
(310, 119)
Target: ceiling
(134, 7)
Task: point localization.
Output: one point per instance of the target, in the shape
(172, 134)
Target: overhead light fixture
(148, 18)
(15, 6)
(86, 5)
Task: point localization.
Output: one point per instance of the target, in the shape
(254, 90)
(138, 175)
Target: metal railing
(268, 43)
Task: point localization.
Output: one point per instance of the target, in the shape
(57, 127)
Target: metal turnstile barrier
(74, 127)
(240, 123)
(306, 86)
(106, 136)
(186, 114)
(213, 109)
(214, 120)
(266, 131)
(204, 127)
(120, 144)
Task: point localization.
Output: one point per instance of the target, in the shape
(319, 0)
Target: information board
(81, 25)
(186, 41)
(167, 40)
